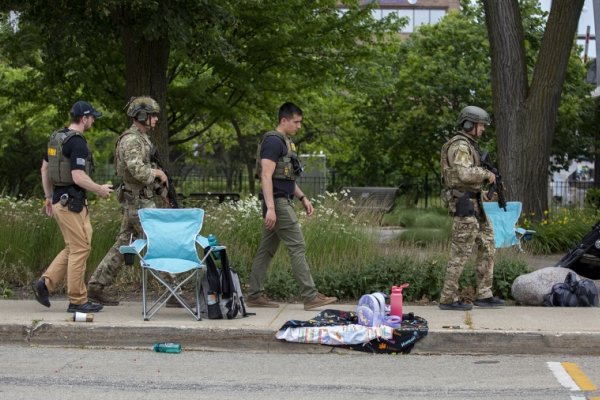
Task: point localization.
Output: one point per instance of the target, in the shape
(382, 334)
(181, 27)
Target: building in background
(418, 12)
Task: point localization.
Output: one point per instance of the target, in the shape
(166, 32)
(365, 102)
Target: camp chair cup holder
(129, 258)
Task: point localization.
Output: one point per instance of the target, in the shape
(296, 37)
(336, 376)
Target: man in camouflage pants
(133, 165)
(463, 179)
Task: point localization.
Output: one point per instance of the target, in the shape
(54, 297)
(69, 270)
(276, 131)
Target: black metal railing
(423, 192)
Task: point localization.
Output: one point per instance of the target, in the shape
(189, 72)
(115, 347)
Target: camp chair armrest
(203, 241)
(134, 248)
(527, 234)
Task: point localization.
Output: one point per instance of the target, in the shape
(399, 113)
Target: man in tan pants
(66, 170)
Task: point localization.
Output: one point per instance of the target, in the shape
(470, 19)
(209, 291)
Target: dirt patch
(535, 262)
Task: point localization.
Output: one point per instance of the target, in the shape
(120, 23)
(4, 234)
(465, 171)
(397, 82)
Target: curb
(509, 343)
(263, 340)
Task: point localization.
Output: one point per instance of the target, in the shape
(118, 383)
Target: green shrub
(561, 230)
(425, 277)
(5, 290)
(592, 197)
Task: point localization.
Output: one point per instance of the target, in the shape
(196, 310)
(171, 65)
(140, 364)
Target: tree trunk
(597, 146)
(525, 116)
(146, 62)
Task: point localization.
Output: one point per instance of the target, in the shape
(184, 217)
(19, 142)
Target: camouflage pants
(467, 231)
(131, 229)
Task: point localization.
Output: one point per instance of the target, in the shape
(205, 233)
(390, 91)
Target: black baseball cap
(83, 108)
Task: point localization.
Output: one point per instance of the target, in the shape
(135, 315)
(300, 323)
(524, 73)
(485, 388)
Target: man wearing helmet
(66, 170)
(133, 165)
(463, 179)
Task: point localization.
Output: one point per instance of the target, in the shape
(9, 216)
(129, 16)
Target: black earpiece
(468, 126)
(142, 116)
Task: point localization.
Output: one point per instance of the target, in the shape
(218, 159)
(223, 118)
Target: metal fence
(568, 193)
(422, 192)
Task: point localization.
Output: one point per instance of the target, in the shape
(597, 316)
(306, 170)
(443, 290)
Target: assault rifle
(171, 194)
(498, 186)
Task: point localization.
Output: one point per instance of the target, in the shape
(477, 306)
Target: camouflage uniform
(133, 165)
(462, 175)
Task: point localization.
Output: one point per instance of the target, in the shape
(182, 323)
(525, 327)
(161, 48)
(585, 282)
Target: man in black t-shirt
(65, 173)
(277, 168)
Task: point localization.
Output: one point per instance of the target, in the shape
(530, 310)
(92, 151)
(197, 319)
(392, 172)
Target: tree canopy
(378, 105)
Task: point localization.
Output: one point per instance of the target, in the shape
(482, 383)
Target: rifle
(498, 186)
(171, 194)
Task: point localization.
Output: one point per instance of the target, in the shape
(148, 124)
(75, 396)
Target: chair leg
(144, 296)
(198, 308)
(172, 291)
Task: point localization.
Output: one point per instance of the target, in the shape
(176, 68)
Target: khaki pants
(287, 230)
(71, 261)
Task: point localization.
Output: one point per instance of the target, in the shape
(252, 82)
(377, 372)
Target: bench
(203, 197)
(372, 198)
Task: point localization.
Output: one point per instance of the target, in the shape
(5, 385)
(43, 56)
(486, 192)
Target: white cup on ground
(83, 317)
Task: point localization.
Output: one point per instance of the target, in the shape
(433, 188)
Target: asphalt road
(59, 373)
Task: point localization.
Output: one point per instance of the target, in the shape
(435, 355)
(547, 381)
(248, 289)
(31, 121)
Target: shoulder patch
(461, 155)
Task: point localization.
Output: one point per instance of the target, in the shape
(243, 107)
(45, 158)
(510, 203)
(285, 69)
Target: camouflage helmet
(473, 114)
(141, 107)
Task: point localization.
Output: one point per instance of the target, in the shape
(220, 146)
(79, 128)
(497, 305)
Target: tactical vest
(284, 168)
(450, 178)
(129, 182)
(59, 166)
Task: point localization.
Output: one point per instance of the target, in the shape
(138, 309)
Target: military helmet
(141, 107)
(473, 114)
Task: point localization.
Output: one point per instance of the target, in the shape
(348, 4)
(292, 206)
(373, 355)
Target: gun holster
(296, 165)
(76, 200)
(464, 206)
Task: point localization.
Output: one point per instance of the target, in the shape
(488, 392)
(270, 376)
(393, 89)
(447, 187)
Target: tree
(526, 109)
(213, 61)
(440, 69)
(207, 58)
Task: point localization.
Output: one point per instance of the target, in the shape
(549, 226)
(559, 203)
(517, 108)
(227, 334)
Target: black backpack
(572, 293)
(221, 289)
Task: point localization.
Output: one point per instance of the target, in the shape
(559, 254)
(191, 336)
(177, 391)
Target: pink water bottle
(396, 300)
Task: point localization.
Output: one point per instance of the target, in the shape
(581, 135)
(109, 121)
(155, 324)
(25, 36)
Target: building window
(409, 27)
(416, 16)
(421, 17)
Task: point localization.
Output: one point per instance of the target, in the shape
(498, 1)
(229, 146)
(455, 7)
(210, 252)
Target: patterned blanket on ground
(340, 328)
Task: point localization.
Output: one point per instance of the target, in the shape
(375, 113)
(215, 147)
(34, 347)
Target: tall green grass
(344, 252)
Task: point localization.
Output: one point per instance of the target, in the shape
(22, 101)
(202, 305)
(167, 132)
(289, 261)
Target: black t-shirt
(272, 149)
(76, 150)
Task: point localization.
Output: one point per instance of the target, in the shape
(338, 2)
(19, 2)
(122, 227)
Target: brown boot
(261, 301)
(319, 300)
(97, 295)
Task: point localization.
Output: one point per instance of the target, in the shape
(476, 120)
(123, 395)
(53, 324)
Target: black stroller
(585, 258)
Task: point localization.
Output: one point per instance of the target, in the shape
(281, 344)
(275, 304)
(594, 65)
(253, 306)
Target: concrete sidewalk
(511, 330)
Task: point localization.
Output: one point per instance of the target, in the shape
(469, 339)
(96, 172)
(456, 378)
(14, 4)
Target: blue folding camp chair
(170, 241)
(506, 233)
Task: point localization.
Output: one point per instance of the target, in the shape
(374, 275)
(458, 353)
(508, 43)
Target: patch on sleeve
(80, 161)
(462, 156)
